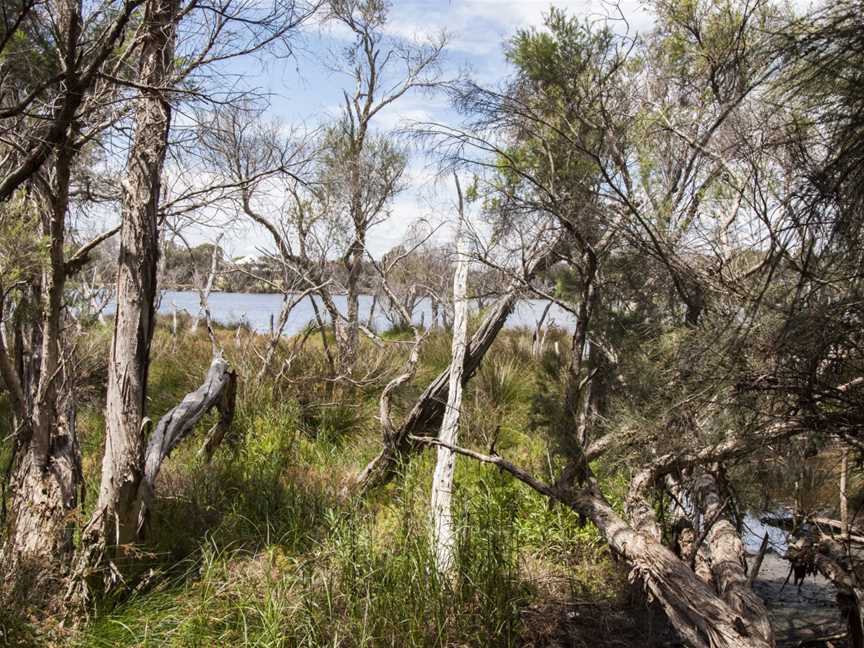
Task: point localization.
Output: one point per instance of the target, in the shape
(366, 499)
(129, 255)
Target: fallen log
(726, 558)
(701, 617)
(218, 391)
(833, 562)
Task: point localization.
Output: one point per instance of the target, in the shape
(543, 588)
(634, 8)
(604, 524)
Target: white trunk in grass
(442, 481)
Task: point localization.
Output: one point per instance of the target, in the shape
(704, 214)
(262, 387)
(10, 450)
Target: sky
(305, 90)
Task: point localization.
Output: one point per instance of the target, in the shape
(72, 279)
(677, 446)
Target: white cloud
(481, 27)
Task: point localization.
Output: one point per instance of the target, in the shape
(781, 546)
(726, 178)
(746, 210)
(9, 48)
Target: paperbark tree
(55, 104)
(115, 520)
(443, 540)
(47, 472)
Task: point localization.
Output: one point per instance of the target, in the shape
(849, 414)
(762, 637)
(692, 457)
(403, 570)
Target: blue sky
(305, 89)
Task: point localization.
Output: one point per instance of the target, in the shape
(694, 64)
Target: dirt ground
(800, 616)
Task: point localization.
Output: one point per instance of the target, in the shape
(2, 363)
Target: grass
(258, 549)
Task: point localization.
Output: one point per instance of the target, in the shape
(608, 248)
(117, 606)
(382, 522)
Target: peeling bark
(727, 561)
(832, 562)
(115, 519)
(43, 502)
(443, 539)
(47, 473)
(699, 616)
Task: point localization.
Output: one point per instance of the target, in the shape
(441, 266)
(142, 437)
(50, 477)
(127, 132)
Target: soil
(805, 616)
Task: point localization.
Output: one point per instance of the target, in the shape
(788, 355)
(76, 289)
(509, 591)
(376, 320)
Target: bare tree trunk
(727, 561)
(832, 561)
(429, 407)
(204, 292)
(539, 336)
(696, 612)
(47, 471)
(115, 519)
(370, 321)
(844, 499)
(42, 501)
(348, 333)
(442, 481)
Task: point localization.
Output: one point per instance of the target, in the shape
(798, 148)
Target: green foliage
(257, 549)
(23, 249)
(550, 57)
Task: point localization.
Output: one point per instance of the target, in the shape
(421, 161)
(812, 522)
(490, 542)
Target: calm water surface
(256, 309)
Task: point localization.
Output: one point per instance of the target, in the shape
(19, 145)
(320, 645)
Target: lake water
(256, 309)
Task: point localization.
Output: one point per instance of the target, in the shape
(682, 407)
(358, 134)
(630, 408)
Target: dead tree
(442, 479)
(207, 287)
(217, 391)
(364, 168)
(429, 407)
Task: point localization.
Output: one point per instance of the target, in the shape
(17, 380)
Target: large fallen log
(217, 391)
(727, 560)
(835, 563)
(701, 617)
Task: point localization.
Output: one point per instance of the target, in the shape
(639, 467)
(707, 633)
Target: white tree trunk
(844, 499)
(442, 482)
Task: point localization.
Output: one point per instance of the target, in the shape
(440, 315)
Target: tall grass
(258, 548)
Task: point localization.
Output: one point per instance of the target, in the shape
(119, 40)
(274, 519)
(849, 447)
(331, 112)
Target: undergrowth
(259, 547)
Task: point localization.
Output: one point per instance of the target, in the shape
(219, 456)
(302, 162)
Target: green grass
(257, 548)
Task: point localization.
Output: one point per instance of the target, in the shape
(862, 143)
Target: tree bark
(442, 480)
(697, 613)
(699, 616)
(831, 560)
(115, 520)
(178, 424)
(727, 561)
(844, 498)
(47, 472)
(42, 502)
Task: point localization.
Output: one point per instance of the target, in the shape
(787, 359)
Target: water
(755, 529)
(256, 309)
